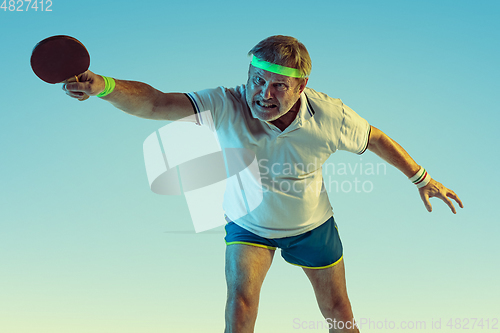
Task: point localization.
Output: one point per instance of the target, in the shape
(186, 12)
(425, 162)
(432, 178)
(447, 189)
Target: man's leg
(331, 293)
(246, 268)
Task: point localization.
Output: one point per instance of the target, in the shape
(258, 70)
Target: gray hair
(285, 51)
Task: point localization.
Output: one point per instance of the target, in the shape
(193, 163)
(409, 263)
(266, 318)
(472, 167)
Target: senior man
(283, 122)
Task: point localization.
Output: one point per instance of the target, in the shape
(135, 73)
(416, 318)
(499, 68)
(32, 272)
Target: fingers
(455, 197)
(425, 199)
(436, 189)
(447, 193)
(76, 89)
(74, 86)
(85, 96)
(72, 79)
(449, 203)
(75, 94)
(83, 85)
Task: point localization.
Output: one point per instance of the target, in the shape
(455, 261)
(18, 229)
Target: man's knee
(242, 295)
(241, 311)
(337, 308)
(242, 302)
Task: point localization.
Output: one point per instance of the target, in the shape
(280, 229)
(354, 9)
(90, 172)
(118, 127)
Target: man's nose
(266, 92)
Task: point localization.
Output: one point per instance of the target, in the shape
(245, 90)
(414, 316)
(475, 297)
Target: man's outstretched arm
(135, 98)
(390, 151)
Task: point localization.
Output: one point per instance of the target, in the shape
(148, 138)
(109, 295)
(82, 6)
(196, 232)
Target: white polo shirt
(294, 197)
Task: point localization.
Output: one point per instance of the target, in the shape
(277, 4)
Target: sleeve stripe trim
(195, 108)
(367, 140)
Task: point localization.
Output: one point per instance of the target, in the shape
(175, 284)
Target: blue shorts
(316, 249)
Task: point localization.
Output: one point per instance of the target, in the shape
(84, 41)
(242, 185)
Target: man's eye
(281, 86)
(258, 81)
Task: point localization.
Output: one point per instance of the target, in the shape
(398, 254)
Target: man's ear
(303, 84)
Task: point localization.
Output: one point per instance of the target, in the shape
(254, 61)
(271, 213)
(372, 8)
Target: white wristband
(421, 178)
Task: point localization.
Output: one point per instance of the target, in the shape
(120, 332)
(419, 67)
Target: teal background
(85, 246)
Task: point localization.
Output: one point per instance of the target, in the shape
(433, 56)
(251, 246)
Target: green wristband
(109, 86)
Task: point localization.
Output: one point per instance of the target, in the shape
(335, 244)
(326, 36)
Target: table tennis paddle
(59, 58)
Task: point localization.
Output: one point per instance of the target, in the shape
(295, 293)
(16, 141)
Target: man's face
(269, 95)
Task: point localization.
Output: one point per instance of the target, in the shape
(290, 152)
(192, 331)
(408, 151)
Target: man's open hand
(436, 189)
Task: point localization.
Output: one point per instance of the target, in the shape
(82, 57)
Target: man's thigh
(329, 284)
(246, 268)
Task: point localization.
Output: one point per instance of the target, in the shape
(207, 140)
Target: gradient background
(85, 246)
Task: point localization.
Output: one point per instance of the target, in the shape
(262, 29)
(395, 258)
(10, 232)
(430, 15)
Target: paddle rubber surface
(59, 58)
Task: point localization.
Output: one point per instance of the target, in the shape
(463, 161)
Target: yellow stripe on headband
(277, 69)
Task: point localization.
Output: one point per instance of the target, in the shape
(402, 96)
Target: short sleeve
(208, 106)
(354, 132)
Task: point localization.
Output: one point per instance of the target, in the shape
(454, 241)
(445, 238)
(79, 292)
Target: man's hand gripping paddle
(59, 58)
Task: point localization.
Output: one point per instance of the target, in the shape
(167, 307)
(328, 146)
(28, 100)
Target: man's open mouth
(266, 105)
